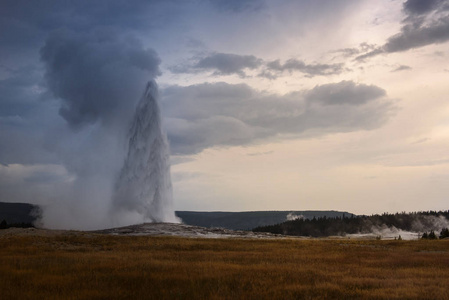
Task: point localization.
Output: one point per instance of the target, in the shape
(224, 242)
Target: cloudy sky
(268, 105)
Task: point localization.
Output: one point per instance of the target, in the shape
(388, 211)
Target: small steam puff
(292, 217)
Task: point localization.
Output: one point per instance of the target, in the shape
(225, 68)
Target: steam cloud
(97, 78)
(292, 217)
(417, 225)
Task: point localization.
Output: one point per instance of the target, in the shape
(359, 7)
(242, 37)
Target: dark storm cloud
(425, 23)
(24, 25)
(96, 75)
(85, 14)
(221, 114)
(419, 7)
(221, 64)
(308, 69)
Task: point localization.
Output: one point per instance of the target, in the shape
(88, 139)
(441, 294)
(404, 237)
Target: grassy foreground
(86, 266)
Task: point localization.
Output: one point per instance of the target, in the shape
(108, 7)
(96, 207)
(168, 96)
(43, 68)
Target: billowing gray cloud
(96, 76)
(228, 64)
(436, 32)
(345, 92)
(419, 7)
(220, 114)
(221, 64)
(308, 69)
(425, 23)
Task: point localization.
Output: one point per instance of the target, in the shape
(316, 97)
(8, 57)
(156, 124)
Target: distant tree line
(320, 227)
(5, 225)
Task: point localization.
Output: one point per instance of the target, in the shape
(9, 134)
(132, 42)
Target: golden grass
(84, 266)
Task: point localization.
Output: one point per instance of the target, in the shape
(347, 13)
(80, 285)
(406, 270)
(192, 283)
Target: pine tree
(444, 233)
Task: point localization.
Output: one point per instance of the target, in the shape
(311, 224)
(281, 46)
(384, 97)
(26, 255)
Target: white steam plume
(291, 217)
(143, 192)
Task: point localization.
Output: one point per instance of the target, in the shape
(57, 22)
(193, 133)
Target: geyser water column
(143, 191)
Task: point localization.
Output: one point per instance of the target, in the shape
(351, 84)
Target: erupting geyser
(143, 191)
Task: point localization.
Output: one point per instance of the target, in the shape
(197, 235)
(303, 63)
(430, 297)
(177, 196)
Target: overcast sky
(268, 105)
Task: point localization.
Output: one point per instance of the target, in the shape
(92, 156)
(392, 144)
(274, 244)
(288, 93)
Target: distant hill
(15, 213)
(251, 219)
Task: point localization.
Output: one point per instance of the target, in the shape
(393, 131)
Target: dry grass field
(88, 266)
